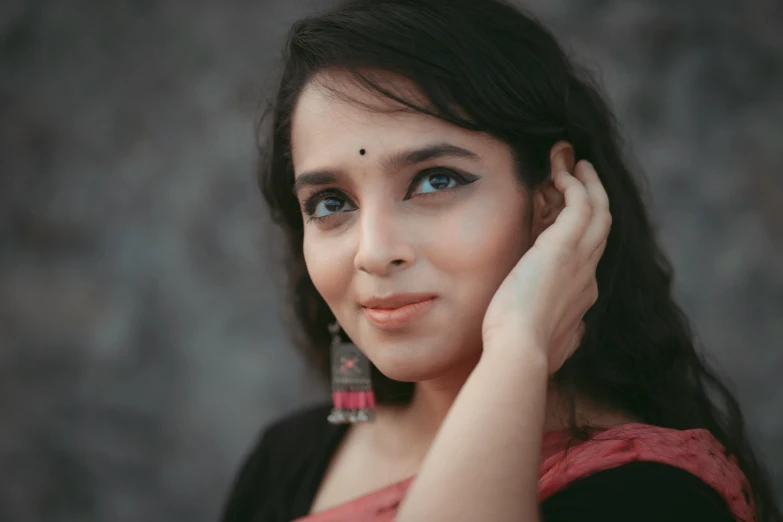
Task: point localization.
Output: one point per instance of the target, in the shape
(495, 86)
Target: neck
(432, 399)
(406, 433)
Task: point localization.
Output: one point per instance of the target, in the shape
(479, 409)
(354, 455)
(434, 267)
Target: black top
(280, 477)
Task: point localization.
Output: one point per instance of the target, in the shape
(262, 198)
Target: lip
(396, 311)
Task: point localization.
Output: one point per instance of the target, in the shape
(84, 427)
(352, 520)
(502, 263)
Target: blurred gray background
(141, 345)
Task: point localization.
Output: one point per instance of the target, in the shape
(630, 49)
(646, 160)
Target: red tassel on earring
(352, 394)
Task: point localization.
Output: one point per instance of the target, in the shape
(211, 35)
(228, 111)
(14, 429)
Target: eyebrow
(395, 161)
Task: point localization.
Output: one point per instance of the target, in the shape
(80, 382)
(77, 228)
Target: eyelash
(312, 202)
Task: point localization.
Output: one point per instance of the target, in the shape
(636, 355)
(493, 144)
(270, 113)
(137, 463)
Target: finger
(586, 173)
(596, 236)
(573, 188)
(595, 256)
(601, 218)
(575, 217)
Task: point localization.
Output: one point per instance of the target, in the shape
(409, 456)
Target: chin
(418, 367)
(408, 374)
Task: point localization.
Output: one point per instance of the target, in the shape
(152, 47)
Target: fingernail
(589, 164)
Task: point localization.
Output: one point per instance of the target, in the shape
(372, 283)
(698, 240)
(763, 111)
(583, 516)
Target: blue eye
(328, 205)
(325, 204)
(436, 182)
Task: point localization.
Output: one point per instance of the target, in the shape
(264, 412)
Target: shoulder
(279, 464)
(296, 428)
(640, 491)
(288, 440)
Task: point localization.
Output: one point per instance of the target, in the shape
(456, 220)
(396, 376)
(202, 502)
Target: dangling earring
(352, 394)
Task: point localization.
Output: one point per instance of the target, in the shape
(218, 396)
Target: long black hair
(487, 66)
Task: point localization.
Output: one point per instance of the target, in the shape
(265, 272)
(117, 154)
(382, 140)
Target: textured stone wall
(140, 338)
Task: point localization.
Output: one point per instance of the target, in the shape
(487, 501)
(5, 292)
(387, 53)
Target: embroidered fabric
(695, 451)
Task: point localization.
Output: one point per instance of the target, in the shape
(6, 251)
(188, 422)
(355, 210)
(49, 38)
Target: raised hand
(545, 296)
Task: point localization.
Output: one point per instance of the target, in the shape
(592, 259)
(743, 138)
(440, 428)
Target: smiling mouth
(389, 317)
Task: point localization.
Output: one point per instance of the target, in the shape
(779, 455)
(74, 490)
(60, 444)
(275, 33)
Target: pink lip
(397, 311)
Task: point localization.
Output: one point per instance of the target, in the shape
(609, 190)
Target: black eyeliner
(462, 178)
(308, 207)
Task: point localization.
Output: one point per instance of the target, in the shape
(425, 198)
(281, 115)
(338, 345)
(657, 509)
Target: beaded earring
(352, 394)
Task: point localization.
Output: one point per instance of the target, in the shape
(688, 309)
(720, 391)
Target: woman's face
(404, 208)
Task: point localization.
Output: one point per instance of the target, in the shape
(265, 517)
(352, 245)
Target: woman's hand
(545, 296)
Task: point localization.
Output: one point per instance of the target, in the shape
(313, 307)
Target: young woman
(456, 204)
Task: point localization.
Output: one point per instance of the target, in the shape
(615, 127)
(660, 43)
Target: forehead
(335, 118)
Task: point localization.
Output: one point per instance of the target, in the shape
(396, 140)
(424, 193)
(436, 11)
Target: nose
(383, 246)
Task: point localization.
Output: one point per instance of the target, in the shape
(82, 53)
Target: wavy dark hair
(487, 66)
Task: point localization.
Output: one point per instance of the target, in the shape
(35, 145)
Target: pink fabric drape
(695, 451)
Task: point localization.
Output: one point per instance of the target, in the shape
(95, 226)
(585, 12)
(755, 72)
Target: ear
(547, 200)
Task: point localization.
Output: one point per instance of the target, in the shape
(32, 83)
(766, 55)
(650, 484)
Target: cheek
(328, 265)
(482, 245)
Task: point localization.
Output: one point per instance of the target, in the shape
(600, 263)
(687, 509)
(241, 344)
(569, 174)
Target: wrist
(515, 348)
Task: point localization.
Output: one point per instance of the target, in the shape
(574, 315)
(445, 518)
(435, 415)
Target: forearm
(483, 464)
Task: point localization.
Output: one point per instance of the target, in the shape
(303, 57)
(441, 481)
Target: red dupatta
(695, 451)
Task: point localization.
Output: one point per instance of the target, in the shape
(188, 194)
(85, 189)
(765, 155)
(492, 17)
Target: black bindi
(362, 151)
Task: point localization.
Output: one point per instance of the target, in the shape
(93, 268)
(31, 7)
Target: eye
(328, 205)
(436, 180)
(321, 206)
